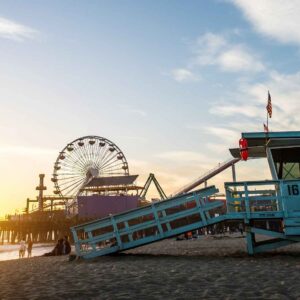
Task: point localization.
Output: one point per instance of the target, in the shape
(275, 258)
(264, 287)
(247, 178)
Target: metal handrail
(209, 174)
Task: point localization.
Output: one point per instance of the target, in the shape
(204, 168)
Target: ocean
(8, 252)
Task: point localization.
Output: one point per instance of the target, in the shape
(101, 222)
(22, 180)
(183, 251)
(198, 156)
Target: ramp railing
(264, 196)
(147, 224)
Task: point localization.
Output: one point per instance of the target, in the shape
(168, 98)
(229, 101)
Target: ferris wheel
(86, 158)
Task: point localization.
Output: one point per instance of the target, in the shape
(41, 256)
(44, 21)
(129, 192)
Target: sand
(207, 268)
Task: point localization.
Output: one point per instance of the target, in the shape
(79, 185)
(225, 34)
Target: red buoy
(243, 143)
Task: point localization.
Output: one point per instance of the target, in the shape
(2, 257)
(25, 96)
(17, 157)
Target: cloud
(238, 59)
(216, 50)
(15, 31)
(222, 133)
(216, 139)
(183, 75)
(22, 151)
(137, 111)
(185, 159)
(226, 110)
(133, 110)
(139, 139)
(217, 148)
(140, 164)
(225, 133)
(278, 19)
(285, 94)
(182, 156)
(207, 47)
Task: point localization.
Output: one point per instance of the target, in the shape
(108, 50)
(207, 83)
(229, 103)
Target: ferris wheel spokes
(86, 158)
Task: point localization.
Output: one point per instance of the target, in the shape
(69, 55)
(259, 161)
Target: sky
(172, 83)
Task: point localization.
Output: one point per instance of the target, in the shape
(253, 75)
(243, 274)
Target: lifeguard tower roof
(258, 141)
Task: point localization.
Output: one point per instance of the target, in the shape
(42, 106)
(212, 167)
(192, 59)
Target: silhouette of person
(66, 246)
(29, 247)
(22, 248)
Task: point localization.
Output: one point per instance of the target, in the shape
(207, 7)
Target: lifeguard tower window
(287, 162)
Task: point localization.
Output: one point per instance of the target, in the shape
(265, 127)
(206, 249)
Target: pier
(40, 227)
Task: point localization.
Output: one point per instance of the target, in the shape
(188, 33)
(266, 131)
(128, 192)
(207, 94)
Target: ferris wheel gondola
(86, 158)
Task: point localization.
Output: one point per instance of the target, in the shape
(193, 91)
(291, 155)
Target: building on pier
(108, 195)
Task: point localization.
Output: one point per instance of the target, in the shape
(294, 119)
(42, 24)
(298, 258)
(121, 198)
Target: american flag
(269, 105)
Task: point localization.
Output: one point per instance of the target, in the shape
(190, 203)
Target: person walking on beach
(29, 247)
(22, 248)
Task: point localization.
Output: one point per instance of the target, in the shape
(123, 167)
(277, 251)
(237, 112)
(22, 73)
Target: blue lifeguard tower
(252, 202)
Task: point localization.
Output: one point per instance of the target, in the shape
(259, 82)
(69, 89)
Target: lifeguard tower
(253, 202)
(277, 199)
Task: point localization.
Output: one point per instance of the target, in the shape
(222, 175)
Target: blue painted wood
(270, 135)
(202, 215)
(285, 204)
(96, 239)
(167, 223)
(271, 246)
(76, 240)
(137, 227)
(274, 234)
(129, 234)
(116, 232)
(292, 222)
(255, 215)
(292, 230)
(250, 242)
(158, 223)
(246, 201)
(150, 239)
(92, 245)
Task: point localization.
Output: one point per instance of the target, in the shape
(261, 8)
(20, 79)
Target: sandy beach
(206, 268)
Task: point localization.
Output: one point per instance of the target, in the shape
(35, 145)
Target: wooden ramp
(247, 202)
(147, 224)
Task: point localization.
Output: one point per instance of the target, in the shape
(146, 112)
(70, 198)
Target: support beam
(279, 240)
(41, 188)
(271, 245)
(233, 173)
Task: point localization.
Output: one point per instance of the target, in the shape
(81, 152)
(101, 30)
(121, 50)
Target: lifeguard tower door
(285, 166)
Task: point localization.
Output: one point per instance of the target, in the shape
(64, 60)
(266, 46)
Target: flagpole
(267, 131)
(268, 111)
